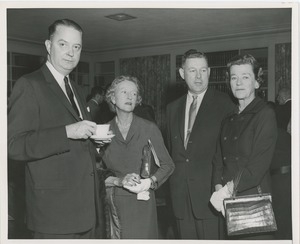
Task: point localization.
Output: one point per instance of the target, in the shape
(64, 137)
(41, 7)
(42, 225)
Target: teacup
(102, 130)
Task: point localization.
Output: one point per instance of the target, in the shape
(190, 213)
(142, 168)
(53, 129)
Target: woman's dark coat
(247, 141)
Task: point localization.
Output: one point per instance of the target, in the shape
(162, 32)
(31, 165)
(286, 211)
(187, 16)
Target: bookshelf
(104, 73)
(218, 61)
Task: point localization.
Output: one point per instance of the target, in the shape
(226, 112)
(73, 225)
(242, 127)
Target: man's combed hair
(64, 22)
(192, 53)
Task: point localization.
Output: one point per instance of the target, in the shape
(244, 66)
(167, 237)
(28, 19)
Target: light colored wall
(220, 44)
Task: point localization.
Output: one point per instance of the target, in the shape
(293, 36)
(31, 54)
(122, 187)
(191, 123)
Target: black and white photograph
(151, 121)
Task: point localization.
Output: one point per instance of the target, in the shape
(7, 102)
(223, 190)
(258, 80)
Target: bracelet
(153, 184)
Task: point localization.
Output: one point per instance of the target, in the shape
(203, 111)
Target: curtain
(282, 66)
(154, 74)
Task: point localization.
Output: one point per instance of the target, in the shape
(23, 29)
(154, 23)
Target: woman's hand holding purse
(130, 180)
(138, 188)
(218, 197)
(141, 189)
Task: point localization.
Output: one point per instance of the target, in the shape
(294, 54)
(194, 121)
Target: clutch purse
(249, 214)
(150, 161)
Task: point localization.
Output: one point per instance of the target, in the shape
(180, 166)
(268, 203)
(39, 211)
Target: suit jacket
(101, 113)
(247, 142)
(145, 111)
(59, 172)
(94, 111)
(283, 114)
(193, 166)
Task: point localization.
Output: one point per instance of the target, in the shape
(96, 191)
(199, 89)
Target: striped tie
(70, 95)
(192, 116)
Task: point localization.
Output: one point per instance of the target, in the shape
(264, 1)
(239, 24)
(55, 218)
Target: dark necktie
(70, 95)
(192, 116)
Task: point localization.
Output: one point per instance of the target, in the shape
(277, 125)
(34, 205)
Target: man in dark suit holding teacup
(48, 130)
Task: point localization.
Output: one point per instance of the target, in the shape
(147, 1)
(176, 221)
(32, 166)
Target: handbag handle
(236, 181)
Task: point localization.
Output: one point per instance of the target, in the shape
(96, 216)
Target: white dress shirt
(60, 80)
(189, 101)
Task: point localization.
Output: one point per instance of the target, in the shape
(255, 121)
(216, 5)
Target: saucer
(102, 138)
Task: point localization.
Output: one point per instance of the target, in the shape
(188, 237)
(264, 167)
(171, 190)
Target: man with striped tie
(48, 130)
(193, 124)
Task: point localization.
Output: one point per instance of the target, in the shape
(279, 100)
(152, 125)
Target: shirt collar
(199, 96)
(254, 106)
(58, 76)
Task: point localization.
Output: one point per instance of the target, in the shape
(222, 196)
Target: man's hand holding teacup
(81, 130)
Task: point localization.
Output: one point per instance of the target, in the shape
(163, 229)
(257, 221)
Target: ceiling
(150, 27)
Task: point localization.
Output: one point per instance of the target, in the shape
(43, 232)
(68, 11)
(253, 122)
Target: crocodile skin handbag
(249, 214)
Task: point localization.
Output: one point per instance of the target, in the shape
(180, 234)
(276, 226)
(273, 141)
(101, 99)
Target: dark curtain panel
(282, 65)
(154, 74)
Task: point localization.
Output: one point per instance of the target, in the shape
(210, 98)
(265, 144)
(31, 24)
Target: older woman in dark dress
(247, 137)
(123, 157)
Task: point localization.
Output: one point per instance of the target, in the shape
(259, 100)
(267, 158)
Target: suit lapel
(181, 119)
(53, 85)
(83, 107)
(203, 110)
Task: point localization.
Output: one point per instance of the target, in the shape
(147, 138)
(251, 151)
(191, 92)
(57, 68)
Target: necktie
(70, 94)
(192, 116)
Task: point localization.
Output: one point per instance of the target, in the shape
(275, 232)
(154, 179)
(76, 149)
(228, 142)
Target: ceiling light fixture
(120, 17)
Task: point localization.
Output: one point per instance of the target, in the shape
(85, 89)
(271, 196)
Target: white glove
(144, 195)
(143, 186)
(218, 197)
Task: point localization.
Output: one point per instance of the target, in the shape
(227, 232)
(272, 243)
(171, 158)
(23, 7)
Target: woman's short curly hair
(246, 59)
(112, 88)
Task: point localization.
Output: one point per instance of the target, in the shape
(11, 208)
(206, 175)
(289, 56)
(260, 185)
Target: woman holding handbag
(247, 138)
(134, 197)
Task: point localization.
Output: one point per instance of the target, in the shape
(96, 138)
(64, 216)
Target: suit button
(235, 138)
(225, 138)
(224, 158)
(231, 119)
(92, 174)
(236, 158)
(187, 160)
